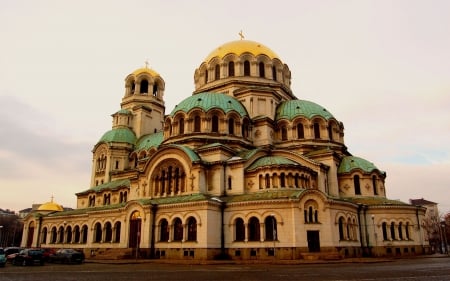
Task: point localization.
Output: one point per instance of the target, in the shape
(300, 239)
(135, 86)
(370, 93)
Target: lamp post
(138, 219)
(1, 231)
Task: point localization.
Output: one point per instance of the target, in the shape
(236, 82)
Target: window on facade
(240, 229)
(217, 72)
(400, 231)
(270, 224)
(317, 130)
(77, 234)
(407, 231)
(392, 231)
(357, 185)
(181, 126)
(330, 132)
(53, 235)
(206, 76)
(231, 126)
(144, 87)
(384, 229)
(245, 129)
(374, 185)
(282, 180)
(155, 90)
(192, 229)
(231, 68)
(215, 124)
(246, 68)
(197, 123)
(262, 71)
(341, 228)
(98, 233)
(267, 180)
(284, 133)
(253, 230)
(108, 232)
(117, 227)
(300, 131)
(133, 87)
(163, 231)
(230, 181)
(274, 73)
(177, 230)
(44, 236)
(84, 234)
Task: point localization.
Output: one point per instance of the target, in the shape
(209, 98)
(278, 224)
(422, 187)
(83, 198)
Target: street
(402, 269)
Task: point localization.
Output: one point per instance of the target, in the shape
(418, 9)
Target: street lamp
(138, 219)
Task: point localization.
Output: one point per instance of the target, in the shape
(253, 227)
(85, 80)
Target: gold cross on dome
(146, 63)
(241, 35)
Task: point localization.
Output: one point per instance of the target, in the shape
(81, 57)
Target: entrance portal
(313, 240)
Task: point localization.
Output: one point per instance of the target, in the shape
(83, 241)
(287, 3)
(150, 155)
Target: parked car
(2, 257)
(11, 253)
(67, 256)
(29, 257)
(47, 252)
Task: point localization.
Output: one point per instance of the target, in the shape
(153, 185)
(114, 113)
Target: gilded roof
(350, 163)
(207, 101)
(121, 134)
(240, 47)
(269, 161)
(295, 108)
(50, 206)
(148, 141)
(147, 70)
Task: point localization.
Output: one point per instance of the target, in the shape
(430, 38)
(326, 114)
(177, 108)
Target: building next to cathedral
(240, 169)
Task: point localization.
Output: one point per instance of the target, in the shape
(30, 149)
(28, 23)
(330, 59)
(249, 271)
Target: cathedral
(241, 169)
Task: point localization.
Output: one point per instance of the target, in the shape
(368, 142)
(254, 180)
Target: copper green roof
(271, 161)
(124, 111)
(122, 134)
(207, 101)
(175, 199)
(148, 141)
(113, 185)
(374, 201)
(265, 195)
(296, 108)
(350, 163)
(192, 155)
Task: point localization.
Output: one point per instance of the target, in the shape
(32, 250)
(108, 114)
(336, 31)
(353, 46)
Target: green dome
(271, 161)
(350, 163)
(148, 141)
(124, 111)
(207, 101)
(119, 135)
(294, 108)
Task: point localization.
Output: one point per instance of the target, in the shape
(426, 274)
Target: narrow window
(240, 230)
(316, 130)
(117, 165)
(155, 90)
(330, 132)
(270, 224)
(98, 232)
(374, 184)
(231, 69)
(164, 231)
(400, 231)
(341, 228)
(181, 126)
(283, 180)
(310, 214)
(392, 231)
(300, 131)
(253, 229)
(144, 87)
(229, 183)
(133, 87)
(231, 126)
(283, 133)
(407, 231)
(217, 72)
(197, 123)
(215, 124)
(267, 181)
(206, 76)
(192, 229)
(357, 185)
(177, 230)
(246, 68)
(262, 72)
(274, 73)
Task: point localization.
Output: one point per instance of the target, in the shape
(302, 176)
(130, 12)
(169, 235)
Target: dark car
(67, 256)
(2, 257)
(11, 253)
(29, 257)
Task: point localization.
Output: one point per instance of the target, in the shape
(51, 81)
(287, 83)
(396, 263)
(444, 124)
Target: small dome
(271, 161)
(239, 47)
(119, 135)
(147, 70)
(294, 108)
(148, 141)
(350, 163)
(50, 206)
(207, 101)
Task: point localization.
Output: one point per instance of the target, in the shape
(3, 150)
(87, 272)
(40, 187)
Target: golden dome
(145, 70)
(50, 206)
(239, 47)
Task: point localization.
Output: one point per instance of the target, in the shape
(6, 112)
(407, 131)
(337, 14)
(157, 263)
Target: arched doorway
(135, 230)
(30, 235)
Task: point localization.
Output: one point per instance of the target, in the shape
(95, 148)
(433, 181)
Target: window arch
(181, 126)
(206, 76)
(270, 224)
(177, 230)
(192, 229)
(215, 124)
(274, 73)
(44, 235)
(144, 87)
(384, 229)
(253, 230)
(341, 228)
(197, 123)
(407, 231)
(108, 232)
(68, 234)
(163, 231)
(246, 68)
(53, 235)
(155, 90)
(262, 71)
(357, 184)
(217, 72)
(330, 132)
(392, 231)
(61, 234)
(374, 185)
(98, 233)
(231, 68)
(231, 126)
(284, 135)
(239, 229)
(117, 228)
(84, 234)
(400, 231)
(316, 130)
(300, 131)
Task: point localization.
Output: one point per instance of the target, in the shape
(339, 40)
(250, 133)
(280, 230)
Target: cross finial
(51, 199)
(146, 63)
(241, 35)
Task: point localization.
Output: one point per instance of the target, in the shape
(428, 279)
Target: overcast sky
(380, 67)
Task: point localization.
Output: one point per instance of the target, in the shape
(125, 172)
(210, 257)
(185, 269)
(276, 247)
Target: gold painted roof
(50, 206)
(240, 47)
(145, 70)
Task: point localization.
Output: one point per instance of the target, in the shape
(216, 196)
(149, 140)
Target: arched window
(217, 72)
(192, 229)
(357, 185)
(384, 229)
(44, 236)
(53, 235)
(231, 126)
(253, 230)
(330, 132)
(69, 234)
(407, 231)
(61, 234)
(316, 130)
(117, 227)
(400, 231)
(163, 231)
(267, 179)
(284, 133)
(245, 129)
(98, 232)
(181, 126)
(300, 131)
(231, 68)
(144, 87)
(262, 71)
(197, 123)
(84, 234)
(206, 76)
(246, 68)
(341, 228)
(239, 229)
(155, 89)
(133, 87)
(374, 185)
(270, 224)
(177, 230)
(282, 180)
(215, 124)
(274, 73)
(108, 232)
(392, 231)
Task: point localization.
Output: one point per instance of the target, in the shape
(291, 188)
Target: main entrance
(313, 240)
